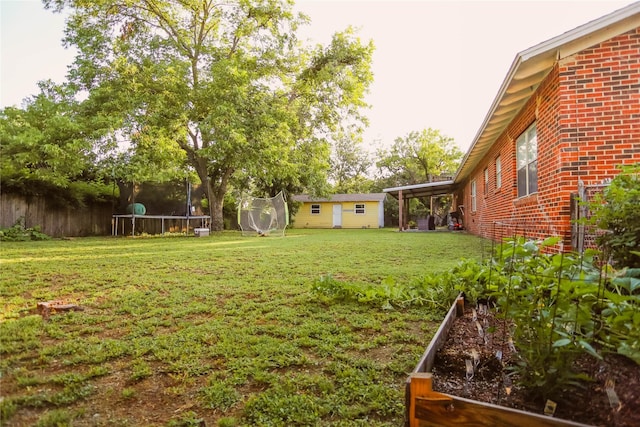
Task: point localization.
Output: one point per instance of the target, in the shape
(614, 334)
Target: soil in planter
(587, 405)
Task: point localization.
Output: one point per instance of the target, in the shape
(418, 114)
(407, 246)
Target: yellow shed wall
(351, 220)
(304, 218)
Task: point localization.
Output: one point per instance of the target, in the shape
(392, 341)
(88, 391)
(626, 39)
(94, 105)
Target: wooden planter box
(425, 407)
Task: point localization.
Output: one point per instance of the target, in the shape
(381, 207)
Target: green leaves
(561, 306)
(616, 210)
(420, 156)
(44, 142)
(19, 233)
(226, 84)
(436, 291)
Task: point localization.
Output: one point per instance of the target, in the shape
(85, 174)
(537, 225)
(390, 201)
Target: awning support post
(400, 211)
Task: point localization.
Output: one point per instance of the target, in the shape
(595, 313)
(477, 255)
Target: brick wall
(600, 109)
(587, 115)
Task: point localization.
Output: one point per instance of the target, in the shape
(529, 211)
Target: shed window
(498, 172)
(473, 195)
(315, 209)
(359, 208)
(527, 159)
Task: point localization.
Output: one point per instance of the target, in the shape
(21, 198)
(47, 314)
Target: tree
(350, 164)
(228, 83)
(420, 157)
(47, 148)
(42, 142)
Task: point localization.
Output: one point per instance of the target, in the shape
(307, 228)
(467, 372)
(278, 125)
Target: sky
(437, 64)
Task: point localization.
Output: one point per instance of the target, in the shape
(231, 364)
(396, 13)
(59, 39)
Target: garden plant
(562, 329)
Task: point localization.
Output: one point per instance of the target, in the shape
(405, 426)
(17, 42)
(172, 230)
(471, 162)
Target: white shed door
(337, 216)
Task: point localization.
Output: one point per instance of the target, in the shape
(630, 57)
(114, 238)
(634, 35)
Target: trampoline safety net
(263, 216)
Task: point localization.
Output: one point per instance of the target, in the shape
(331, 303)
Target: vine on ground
(561, 306)
(19, 233)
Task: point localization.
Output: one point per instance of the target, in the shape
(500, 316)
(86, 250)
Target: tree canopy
(228, 84)
(419, 157)
(350, 164)
(49, 148)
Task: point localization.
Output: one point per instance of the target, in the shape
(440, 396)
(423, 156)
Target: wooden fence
(93, 220)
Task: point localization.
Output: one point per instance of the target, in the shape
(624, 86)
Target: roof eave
(529, 69)
(422, 190)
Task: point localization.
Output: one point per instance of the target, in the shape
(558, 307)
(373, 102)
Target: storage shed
(340, 211)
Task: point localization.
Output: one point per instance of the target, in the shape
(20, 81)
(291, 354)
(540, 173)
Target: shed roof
(528, 70)
(368, 197)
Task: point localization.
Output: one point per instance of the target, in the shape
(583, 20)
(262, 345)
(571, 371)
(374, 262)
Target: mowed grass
(222, 330)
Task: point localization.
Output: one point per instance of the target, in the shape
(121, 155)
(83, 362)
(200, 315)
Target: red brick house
(566, 115)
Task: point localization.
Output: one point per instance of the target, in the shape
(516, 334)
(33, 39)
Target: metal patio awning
(428, 189)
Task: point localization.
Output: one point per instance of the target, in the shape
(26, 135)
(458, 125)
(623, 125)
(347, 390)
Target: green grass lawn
(221, 329)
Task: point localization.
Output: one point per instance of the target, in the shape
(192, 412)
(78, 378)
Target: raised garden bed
(443, 390)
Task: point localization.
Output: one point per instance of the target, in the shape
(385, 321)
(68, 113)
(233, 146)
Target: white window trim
(317, 205)
(498, 172)
(474, 194)
(524, 137)
(486, 181)
(355, 209)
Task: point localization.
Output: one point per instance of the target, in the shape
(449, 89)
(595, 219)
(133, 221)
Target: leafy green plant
(616, 211)
(188, 419)
(19, 233)
(279, 406)
(437, 291)
(56, 418)
(219, 395)
(550, 310)
(619, 314)
(8, 407)
(560, 306)
(128, 393)
(227, 422)
(140, 370)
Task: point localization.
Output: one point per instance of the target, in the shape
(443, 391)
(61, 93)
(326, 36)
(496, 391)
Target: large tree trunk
(215, 184)
(216, 203)
(214, 193)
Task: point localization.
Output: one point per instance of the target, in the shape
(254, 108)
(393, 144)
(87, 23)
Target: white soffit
(529, 69)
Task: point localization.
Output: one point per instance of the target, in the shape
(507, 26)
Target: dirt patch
(151, 402)
(588, 404)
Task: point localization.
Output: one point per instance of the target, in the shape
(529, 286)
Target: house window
(473, 195)
(359, 208)
(498, 172)
(486, 181)
(527, 160)
(315, 209)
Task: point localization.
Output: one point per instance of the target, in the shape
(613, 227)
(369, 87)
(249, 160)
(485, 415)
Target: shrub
(75, 194)
(561, 308)
(616, 210)
(19, 233)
